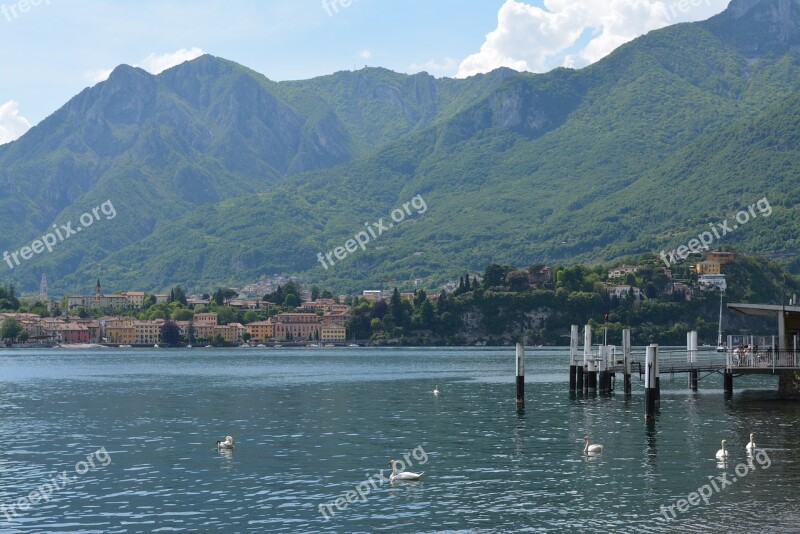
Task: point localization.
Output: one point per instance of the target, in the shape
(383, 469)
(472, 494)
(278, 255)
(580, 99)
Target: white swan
(436, 390)
(402, 475)
(591, 449)
(751, 447)
(227, 444)
(722, 454)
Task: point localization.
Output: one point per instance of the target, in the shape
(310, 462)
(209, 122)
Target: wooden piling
(691, 349)
(520, 374)
(603, 383)
(573, 358)
(591, 365)
(650, 382)
(626, 358)
(587, 354)
(728, 382)
(657, 373)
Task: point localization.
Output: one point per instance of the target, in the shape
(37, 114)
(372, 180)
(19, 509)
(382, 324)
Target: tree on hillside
(178, 295)
(182, 314)
(518, 280)
(8, 298)
(495, 275)
(314, 293)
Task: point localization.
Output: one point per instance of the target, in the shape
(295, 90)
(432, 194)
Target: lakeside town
(281, 311)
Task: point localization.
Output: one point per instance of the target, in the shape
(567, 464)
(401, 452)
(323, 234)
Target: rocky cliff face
(758, 27)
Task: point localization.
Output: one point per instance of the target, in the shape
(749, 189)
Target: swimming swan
(402, 475)
(436, 390)
(722, 454)
(751, 447)
(591, 449)
(227, 444)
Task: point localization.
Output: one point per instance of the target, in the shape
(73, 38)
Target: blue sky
(55, 48)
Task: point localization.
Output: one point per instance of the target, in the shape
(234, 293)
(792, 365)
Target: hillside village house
(624, 291)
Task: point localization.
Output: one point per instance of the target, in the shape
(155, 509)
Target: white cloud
(154, 63)
(575, 33)
(365, 54)
(97, 76)
(446, 67)
(12, 124)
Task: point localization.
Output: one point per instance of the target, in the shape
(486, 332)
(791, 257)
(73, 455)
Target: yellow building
(708, 267)
(334, 333)
(123, 334)
(147, 332)
(229, 332)
(720, 257)
(206, 319)
(261, 331)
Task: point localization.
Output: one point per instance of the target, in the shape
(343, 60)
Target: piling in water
(626, 359)
(520, 374)
(657, 373)
(573, 358)
(603, 378)
(650, 382)
(587, 354)
(691, 349)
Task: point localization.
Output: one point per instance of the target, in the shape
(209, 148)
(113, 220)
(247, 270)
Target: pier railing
(747, 358)
(735, 359)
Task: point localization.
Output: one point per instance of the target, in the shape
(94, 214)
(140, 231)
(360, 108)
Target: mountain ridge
(224, 176)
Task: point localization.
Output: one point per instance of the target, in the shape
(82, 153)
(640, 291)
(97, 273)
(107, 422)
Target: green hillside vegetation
(504, 306)
(221, 176)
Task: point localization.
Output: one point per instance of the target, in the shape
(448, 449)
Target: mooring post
(691, 348)
(587, 354)
(591, 366)
(657, 372)
(650, 382)
(626, 358)
(603, 385)
(573, 358)
(728, 382)
(520, 374)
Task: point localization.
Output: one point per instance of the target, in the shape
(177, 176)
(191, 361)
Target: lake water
(313, 425)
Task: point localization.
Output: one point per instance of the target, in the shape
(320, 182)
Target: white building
(715, 280)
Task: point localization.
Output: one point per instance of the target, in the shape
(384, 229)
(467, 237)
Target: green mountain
(221, 176)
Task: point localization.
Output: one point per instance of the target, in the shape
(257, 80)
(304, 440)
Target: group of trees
(8, 299)
(510, 302)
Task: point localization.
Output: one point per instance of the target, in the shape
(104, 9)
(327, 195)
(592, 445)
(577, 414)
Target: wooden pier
(745, 356)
